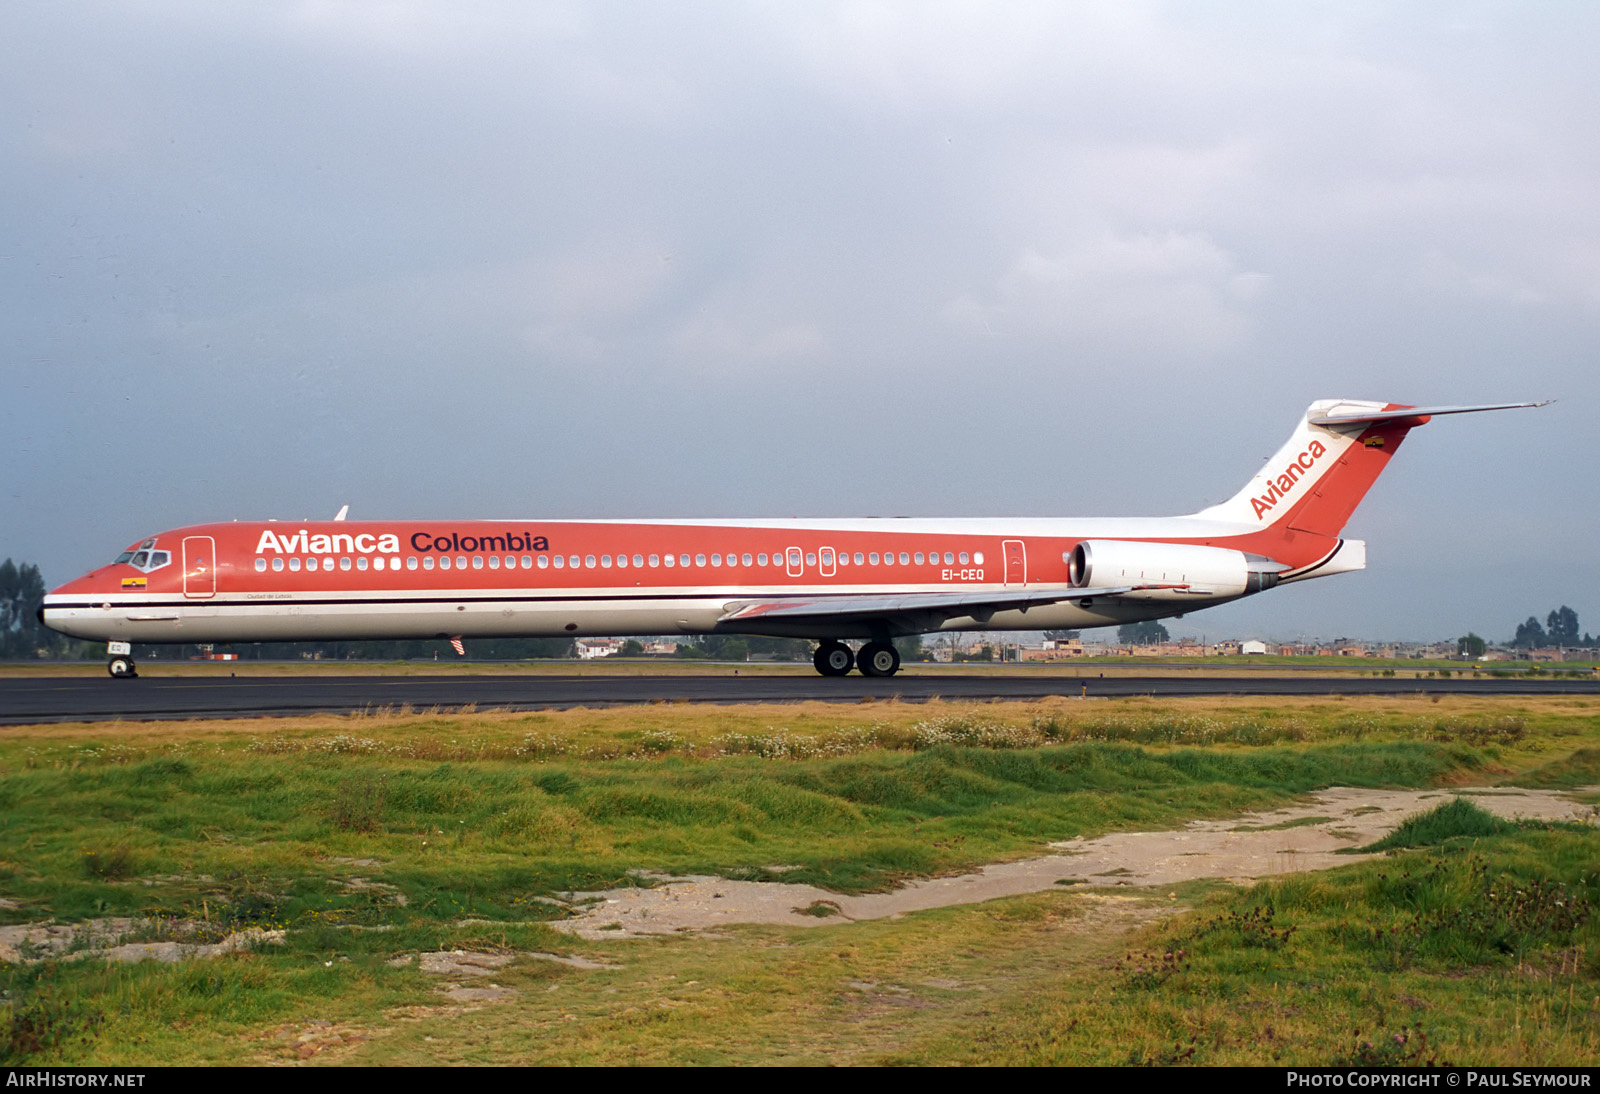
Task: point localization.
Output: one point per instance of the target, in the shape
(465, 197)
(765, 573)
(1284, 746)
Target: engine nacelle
(1188, 571)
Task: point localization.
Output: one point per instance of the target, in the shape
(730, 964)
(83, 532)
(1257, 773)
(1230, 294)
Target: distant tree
(1530, 635)
(1470, 645)
(1147, 633)
(21, 593)
(910, 648)
(631, 648)
(1561, 626)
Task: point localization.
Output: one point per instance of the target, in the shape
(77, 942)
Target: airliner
(867, 579)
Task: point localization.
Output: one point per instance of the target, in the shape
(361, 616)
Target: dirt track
(1296, 838)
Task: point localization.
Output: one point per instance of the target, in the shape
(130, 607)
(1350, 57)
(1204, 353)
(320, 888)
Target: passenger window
(977, 558)
(716, 560)
(963, 558)
(277, 564)
(461, 562)
(344, 562)
(494, 562)
(377, 563)
(544, 561)
(527, 561)
(561, 560)
(605, 562)
(638, 560)
(699, 560)
(361, 562)
(411, 562)
(747, 559)
(811, 558)
(873, 558)
(671, 561)
(860, 559)
(761, 559)
(622, 562)
(444, 562)
(683, 560)
(573, 561)
(919, 558)
(294, 565)
(261, 565)
(905, 559)
(588, 560)
(949, 559)
(655, 560)
(427, 562)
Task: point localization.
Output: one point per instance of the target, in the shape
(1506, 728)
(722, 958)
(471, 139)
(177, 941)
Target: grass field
(372, 841)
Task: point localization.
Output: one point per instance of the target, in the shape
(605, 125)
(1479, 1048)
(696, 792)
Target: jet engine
(1170, 571)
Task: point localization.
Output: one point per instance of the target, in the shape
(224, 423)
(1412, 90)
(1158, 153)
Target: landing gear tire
(122, 668)
(833, 659)
(878, 659)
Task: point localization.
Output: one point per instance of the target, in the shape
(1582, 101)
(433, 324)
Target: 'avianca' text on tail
(831, 580)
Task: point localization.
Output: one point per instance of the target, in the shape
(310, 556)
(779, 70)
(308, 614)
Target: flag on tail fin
(455, 644)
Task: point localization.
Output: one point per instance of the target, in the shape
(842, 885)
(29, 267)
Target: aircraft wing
(910, 613)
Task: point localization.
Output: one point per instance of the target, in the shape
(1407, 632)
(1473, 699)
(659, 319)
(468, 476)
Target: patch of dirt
(1240, 849)
(299, 1041)
(117, 939)
(388, 892)
(466, 972)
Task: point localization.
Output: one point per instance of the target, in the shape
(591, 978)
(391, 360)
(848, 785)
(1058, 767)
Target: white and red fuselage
(827, 579)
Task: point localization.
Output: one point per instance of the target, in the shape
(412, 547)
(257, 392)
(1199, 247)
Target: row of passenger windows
(573, 562)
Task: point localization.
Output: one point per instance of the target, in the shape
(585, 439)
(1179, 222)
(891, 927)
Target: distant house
(590, 648)
(1253, 647)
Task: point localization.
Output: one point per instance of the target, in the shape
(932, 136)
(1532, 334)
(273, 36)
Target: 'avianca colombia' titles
(868, 579)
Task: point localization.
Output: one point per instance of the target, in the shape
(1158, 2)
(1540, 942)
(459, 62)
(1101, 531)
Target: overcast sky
(448, 259)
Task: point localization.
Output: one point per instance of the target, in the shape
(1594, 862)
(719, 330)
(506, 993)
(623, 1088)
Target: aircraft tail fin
(1337, 451)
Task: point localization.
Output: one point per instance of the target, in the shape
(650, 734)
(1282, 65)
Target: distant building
(1254, 647)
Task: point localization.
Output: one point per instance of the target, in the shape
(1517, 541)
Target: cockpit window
(142, 558)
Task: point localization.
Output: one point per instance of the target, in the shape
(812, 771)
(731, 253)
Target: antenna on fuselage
(344, 511)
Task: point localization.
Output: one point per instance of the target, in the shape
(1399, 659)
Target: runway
(30, 700)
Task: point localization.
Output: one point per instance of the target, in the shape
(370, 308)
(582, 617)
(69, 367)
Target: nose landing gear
(121, 666)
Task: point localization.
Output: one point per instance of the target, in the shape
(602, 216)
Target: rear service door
(199, 567)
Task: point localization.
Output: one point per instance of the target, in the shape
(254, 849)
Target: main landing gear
(874, 659)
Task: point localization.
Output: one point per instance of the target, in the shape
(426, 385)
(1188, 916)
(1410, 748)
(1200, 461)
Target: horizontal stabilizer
(1417, 412)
